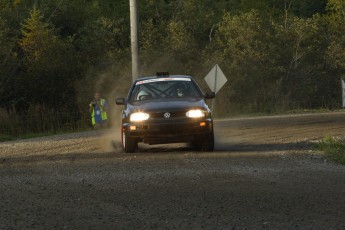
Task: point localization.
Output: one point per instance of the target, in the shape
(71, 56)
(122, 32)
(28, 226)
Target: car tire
(129, 144)
(204, 143)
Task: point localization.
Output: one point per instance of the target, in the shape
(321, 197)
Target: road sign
(215, 79)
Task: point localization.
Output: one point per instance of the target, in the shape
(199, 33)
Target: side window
(134, 93)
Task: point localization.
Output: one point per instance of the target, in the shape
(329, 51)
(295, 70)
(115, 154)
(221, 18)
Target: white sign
(343, 90)
(215, 79)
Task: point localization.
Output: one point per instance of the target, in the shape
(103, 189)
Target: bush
(14, 126)
(334, 148)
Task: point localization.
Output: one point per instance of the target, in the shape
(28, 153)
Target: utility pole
(133, 6)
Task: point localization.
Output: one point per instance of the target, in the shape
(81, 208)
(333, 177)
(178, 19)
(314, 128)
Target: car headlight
(139, 116)
(195, 113)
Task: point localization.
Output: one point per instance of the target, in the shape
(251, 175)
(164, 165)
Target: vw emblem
(166, 115)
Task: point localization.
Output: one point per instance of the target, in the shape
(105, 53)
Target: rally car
(165, 109)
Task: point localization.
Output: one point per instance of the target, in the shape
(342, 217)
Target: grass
(7, 137)
(15, 126)
(334, 148)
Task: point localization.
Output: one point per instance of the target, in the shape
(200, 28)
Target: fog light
(202, 124)
(132, 127)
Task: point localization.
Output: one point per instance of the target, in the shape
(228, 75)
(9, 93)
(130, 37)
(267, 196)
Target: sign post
(215, 79)
(134, 38)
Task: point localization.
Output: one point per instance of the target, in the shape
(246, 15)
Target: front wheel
(129, 144)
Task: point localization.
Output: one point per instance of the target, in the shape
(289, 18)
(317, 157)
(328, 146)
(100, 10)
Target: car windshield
(165, 88)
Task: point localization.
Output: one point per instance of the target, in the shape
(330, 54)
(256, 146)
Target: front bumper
(168, 132)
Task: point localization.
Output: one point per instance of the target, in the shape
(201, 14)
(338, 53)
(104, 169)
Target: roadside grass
(334, 148)
(6, 137)
(14, 126)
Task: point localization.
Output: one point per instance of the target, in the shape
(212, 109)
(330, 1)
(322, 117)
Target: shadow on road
(69, 157)
(245, 147)
(147, 151)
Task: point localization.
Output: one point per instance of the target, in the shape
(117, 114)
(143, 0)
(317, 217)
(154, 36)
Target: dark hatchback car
(166, 109)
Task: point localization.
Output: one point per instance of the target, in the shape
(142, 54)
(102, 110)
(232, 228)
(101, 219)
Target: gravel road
(264, 174)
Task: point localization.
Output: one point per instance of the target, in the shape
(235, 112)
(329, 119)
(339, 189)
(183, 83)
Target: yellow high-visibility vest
(103, 113)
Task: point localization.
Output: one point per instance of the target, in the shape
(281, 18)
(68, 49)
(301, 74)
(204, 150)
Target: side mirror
(120, 101)
(210, 95)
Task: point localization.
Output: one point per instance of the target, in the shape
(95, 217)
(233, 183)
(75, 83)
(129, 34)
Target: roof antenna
(162, 74)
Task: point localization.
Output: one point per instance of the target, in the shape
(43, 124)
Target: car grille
(163, 115)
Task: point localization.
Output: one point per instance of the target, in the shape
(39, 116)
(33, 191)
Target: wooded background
(278, 55)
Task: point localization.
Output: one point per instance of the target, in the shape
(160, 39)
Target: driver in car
(181, 90)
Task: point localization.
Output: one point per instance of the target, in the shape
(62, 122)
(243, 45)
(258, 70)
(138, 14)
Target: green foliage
(308, 8)
(37, 36)
(301, 62)
(177, 39)
(275, 64)
(47, 61)
(7, 57)
(335, 20)
(334, 148)
(303, 9)
(242, 52)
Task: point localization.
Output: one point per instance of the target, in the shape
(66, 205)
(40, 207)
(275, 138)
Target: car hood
(168, 104)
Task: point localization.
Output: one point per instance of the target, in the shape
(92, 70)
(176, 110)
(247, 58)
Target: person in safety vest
(98, 109)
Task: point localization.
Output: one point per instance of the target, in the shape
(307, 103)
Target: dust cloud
(110, 140)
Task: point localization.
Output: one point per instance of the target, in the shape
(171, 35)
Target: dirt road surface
(264, 174)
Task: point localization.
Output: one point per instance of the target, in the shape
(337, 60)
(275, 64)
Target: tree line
(278, 55)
